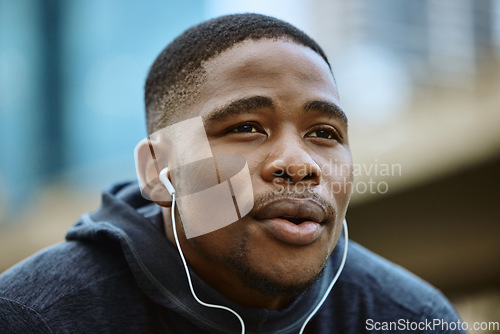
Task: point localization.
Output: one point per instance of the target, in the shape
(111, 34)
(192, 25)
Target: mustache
(262, 200)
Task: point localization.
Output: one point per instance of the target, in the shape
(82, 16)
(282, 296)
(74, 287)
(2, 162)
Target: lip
(293, 221)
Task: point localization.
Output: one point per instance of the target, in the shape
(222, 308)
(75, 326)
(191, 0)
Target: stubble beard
(267, 285)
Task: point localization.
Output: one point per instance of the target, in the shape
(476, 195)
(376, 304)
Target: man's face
(275, 103)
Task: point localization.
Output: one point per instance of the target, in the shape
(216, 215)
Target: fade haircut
(177, 73)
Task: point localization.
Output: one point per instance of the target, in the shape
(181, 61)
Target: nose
(290, 161)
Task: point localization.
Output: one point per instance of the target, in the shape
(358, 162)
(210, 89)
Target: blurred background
(420, 81)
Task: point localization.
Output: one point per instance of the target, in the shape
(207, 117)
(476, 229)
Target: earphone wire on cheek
(168, 185)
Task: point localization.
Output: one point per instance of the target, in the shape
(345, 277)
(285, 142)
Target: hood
(135, 225)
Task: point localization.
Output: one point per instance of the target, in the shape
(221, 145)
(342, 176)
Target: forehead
(280, 69)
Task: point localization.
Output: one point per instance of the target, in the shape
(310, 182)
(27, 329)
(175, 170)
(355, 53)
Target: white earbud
(166, 182)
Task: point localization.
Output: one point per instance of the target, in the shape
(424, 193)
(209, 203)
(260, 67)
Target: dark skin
(275, 103)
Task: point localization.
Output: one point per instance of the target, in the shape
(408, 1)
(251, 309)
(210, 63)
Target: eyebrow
(239, 107)
(330, 109)
(246, 105)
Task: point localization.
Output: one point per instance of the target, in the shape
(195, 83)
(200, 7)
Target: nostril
(283, 175)
(308, 176)
(279, 173)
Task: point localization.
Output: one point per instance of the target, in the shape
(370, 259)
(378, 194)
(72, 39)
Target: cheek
(337, 178)
(218, 244)
(253, 160)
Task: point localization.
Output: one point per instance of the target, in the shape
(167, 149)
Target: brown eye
(244, 128)
(322, 134)
(325, 132)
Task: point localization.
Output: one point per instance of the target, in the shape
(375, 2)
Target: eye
(245, 128)
(321, 134)
(328, 132)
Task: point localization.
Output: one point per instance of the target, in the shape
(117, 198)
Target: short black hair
(177, 72)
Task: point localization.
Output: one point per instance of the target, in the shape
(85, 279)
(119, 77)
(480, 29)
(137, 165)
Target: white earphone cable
(337, 275)
(189, 276)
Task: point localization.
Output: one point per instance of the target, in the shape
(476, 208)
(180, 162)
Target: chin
(279, 283)
(289, 271)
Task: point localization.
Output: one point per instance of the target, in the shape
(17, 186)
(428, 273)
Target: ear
(148, 172)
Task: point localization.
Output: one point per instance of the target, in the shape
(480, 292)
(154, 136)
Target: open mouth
(296, 211)
(294, 220)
